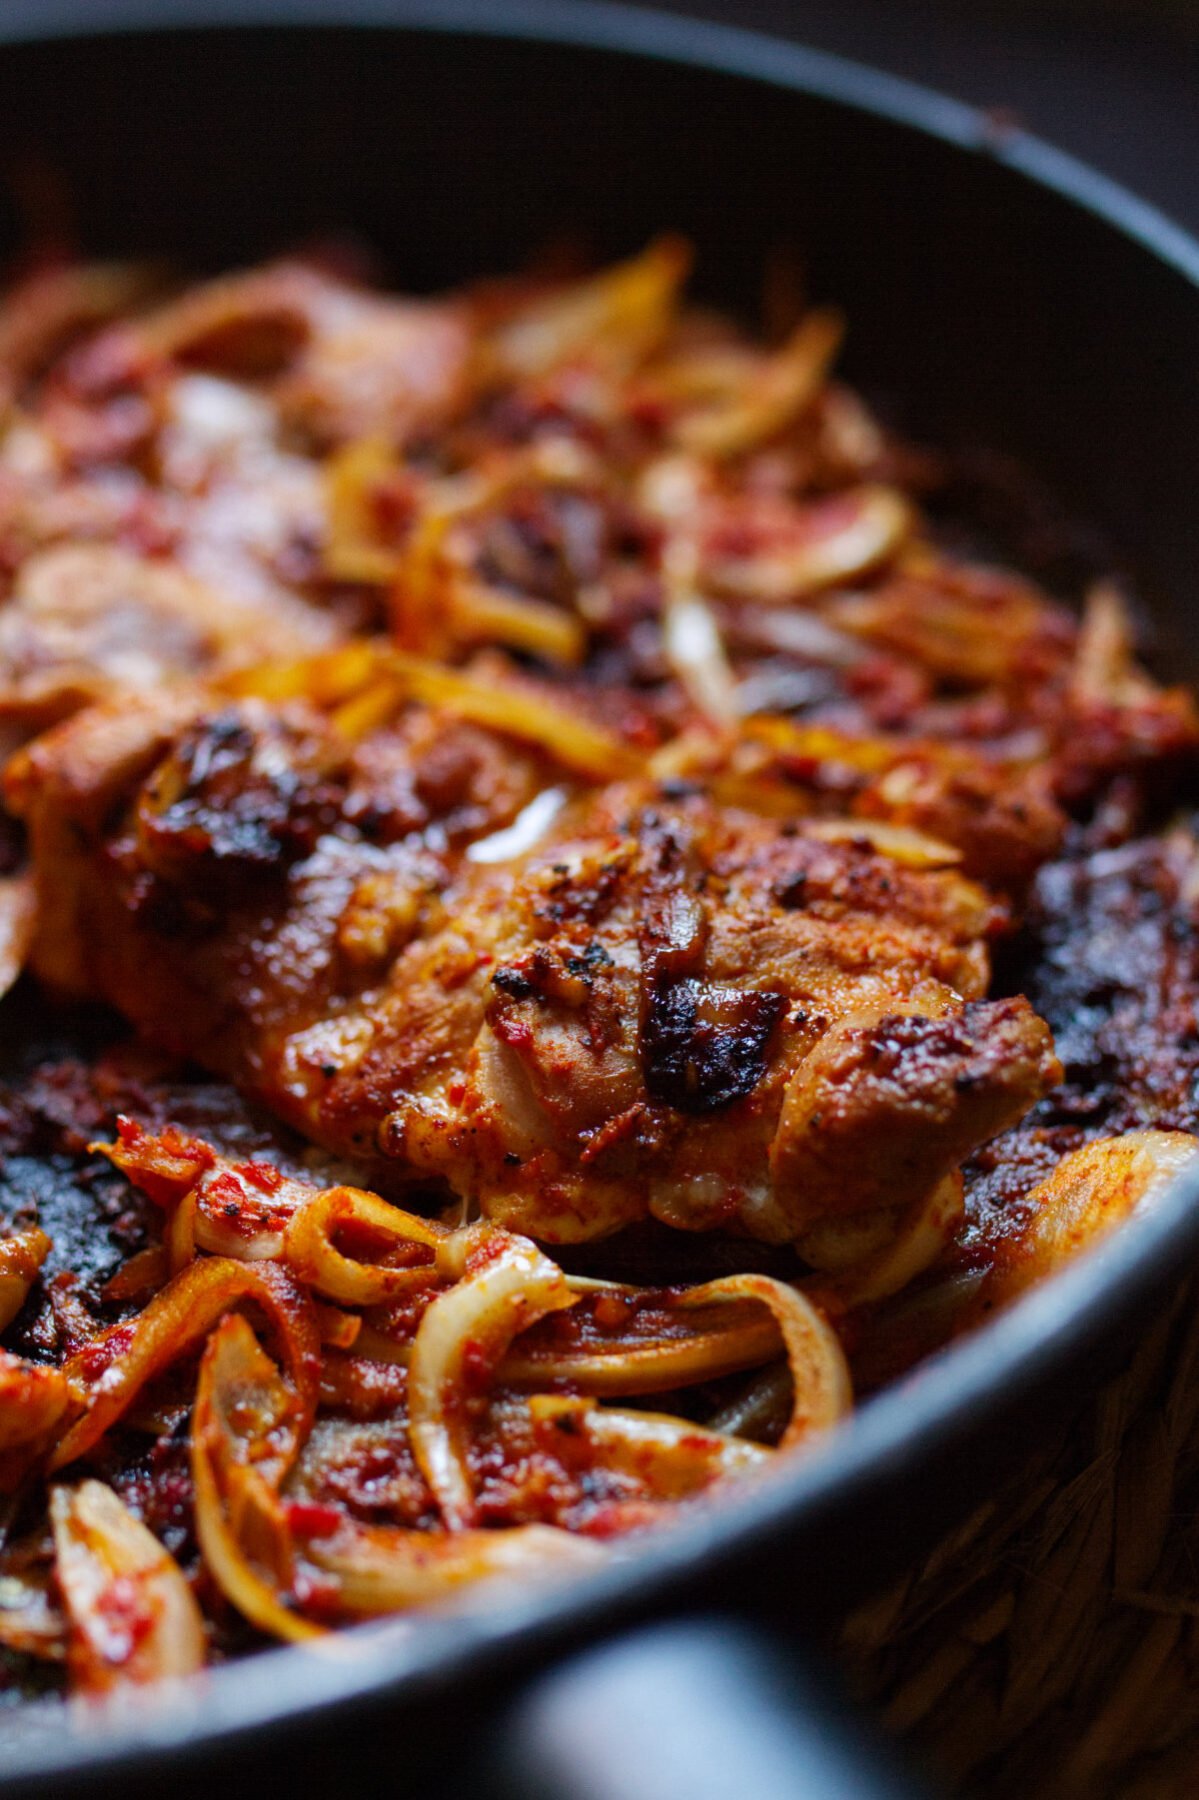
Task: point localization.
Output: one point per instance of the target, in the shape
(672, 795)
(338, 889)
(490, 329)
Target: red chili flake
(616, 1517)
(476, 1365)
(485, 1250)
(514, 1032)
(126, 1617)
(260, 1175)
(309, 1519)
(611, 1312)
(226, 1189)
(102, 1352)
(456, 1092)
(317, 1594)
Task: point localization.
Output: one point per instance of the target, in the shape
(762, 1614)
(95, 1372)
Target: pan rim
(942, 1401)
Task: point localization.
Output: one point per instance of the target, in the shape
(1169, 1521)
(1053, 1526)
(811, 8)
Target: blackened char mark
(704, 1046)
(236, 799)
(1110, 957)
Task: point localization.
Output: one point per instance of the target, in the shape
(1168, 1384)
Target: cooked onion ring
(511, 1285)
(823, 1392)
(309, 1246)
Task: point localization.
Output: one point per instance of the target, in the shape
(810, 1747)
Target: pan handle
(698, 1709)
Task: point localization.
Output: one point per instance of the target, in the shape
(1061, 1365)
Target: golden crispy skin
(667, 1007)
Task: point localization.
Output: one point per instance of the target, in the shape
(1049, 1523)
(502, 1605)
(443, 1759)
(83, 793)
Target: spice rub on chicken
(668, 1006)
(551, 756)
(696, 1014)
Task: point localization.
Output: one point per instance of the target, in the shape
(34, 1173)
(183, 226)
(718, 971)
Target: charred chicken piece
(269, 867)
(668, 1008)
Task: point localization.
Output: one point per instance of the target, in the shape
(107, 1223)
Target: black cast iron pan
(1002, 295)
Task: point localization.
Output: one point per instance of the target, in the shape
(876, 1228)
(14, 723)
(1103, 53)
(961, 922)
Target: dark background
(1115, 81)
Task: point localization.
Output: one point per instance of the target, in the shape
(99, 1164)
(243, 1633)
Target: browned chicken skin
(667, 1007)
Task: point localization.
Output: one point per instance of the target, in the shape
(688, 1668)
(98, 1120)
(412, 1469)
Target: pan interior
(985, 307)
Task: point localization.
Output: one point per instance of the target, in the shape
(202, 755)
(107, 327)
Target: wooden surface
(1050, 1647)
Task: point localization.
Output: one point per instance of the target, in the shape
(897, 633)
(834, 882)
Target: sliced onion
(481, 613)
(132, 1616)
(247, 1425)
(762, 1409)
(142, 1274)
(696, 653)
(913, 1245)
(630, 1364)
(823, 1392)
(34, 1401)
(353, 550)
(869, 525)
(673, 1458)
(21, 1256)
(309, 1246)
(511, 1285)
(385, 1569)
(516, 712)
(619, 314)
(182, 1233)
(225, 1210)
(107, 1374)
(759, 407)
(526, 830)
(339, 1330)
(1088, 1195)
(902, 843)
(798, 633)
(1105, 660)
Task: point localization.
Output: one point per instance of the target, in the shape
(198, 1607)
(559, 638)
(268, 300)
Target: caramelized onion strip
(862, 529)
(673, 1458)
(627, 1363)
(516, 712)
(21, 1256)
(246, 1429)
(132, 1616)
(107, 1374)
(620, 314)
(780, 388)
(1088, 1194)
(902, 843)
(509, 1287)
(34, 1402)
(355, 550)
(823, 1393)
(385, 1569)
